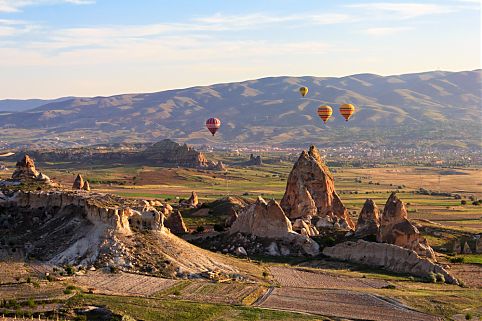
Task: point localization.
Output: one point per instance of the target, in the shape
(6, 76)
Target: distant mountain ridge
(433, 106)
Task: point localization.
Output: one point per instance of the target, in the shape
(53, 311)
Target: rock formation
(395, 228)
(78, 182)
(466, 248)
(192, 201)
(254, 161)
(268, 220)
(219, 166)
(369, 221)
(103, 230)
(169, 153)
(478, 245)
(175, 223)
(457, 247)
(304, 227)
(388, 256)
(86, 186)
(310, 191)
(25, 169)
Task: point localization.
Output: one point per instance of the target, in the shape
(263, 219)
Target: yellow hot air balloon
(346, 110)
(303, 91)
(325, 112)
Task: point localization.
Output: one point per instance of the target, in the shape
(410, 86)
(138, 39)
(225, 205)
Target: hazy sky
(53, 48)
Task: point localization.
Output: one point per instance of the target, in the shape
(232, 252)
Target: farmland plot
(341, 303)
(231, 293)
(123, 283)
(291, 277)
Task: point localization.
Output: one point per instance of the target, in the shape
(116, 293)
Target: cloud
(384, 31)
(403, 10)
(9, 6)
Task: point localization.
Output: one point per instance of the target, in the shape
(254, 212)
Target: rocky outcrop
(25, 169)
(478, 245)
(192, 201)
(395, 228)
(310, 191)
(103, 230)
(368, 223)
(457, 247)
(169, 153)
(175, 223)
(304, 227)
(26, 172)
(268, 220)
(466, 248)
(254, 161)
(388, 256)
(86, 186)
(78, 182)
(220, 166)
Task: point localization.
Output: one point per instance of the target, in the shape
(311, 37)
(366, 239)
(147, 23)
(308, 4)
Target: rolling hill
(432, 107)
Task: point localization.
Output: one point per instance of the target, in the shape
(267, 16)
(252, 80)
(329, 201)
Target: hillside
(441, 108)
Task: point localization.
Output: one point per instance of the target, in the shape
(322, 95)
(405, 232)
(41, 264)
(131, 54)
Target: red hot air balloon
(213, 125)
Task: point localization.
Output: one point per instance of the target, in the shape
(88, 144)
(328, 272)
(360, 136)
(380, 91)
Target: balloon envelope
(213, 125)
(325, 112)
(346, 110)
(303, 91)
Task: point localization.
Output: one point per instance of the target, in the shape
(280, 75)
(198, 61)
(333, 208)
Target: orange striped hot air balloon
(325, 112)
(303, 91)
(346, 110)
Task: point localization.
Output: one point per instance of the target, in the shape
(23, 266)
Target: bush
(29, 280)
(468, 316)
(432, 278)
(70, 270)
(218, 227)
(67, 291)
(265, 274)
(31, 303)
(440, 277)
(200, 229)
(389, 286)
(463, 202)
(457, 259)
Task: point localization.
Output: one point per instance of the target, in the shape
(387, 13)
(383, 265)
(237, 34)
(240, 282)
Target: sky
(56, 48)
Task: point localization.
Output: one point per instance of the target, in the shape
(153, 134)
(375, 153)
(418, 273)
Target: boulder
(310, 190)
(388, 256)
(25, 169)
(78, 182)
(478, 245)
(240, 251)
(369, 220)
(395, 228)
(175, 223)
(268, 220)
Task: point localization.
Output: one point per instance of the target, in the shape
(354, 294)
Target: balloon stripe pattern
(325, 112)
(303, 91)
(213, 125)
(346, 110)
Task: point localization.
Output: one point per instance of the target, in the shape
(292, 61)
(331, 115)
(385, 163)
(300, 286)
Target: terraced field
(123, 283)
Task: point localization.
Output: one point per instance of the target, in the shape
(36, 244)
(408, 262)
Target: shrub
(432, 278)
(67, 291)
(200, 229)
(457, 259)
(463, 202)
(389, 286)
(265, 274)
(468, 316)
(29, 280)
(80, 318)
(31, 303)
(70, 270)
(218, 227)
(440, 277)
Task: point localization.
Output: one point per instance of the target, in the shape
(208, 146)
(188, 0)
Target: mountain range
(436, 107)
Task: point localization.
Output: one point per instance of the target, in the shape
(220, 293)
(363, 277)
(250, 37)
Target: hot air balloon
(303, 91)
(325, 112)
(213, 125)
(346, 110)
